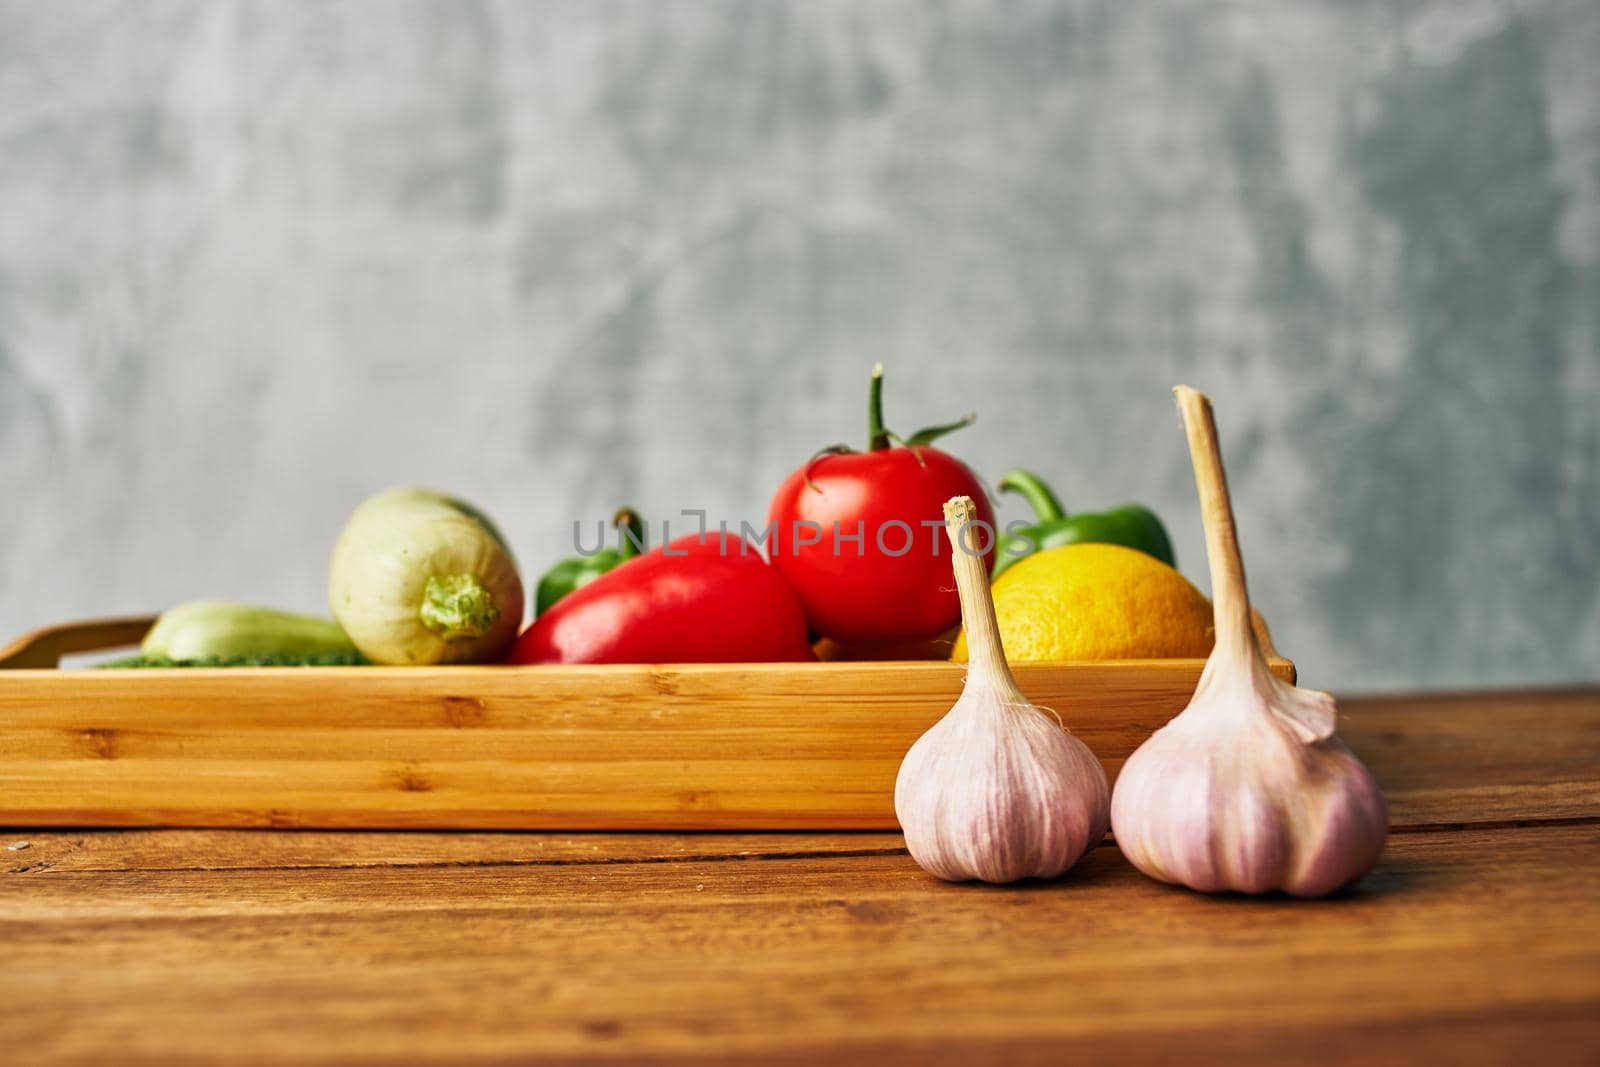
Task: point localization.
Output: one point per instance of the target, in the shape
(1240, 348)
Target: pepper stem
(1038, 495)
(1229, 598)
(877, 436)
(457, 607)
(631, 533)
(986, 657)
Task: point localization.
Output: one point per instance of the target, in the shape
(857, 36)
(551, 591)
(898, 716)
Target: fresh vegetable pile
(1247, 790)
(850, 566)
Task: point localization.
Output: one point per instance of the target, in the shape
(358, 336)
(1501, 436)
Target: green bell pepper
(569, 574)
(1131, 525)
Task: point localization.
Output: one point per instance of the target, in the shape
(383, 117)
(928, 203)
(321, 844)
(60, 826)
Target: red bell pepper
(705, 600)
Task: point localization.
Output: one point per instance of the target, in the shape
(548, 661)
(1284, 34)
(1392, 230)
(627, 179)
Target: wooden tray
(673, 747)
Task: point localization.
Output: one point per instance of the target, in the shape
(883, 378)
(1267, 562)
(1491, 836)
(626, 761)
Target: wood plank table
(1477, 940)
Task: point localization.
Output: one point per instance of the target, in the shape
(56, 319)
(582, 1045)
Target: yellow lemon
(1095, 601)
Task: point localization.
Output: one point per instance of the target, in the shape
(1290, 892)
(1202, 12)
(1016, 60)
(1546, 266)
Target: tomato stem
(877, 436)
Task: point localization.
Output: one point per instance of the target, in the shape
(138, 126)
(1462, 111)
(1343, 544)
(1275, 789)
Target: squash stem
(457, 607)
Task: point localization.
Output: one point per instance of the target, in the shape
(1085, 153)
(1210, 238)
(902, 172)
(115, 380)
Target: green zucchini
(222, 630)
(351, 658)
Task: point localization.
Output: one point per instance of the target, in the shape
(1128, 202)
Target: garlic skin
(997, 790)
(1247, 789)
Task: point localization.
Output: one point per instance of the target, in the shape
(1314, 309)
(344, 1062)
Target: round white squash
(419, 578)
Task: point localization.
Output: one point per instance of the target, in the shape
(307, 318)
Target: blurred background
(258, 260)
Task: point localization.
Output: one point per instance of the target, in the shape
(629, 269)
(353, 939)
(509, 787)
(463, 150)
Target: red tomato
(895, 582)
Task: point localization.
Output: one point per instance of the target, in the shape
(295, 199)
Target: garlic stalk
(1247, 789)
(996, 790)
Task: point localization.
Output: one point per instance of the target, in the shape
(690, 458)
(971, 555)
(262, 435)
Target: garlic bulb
(1247, 789)
(996, 790)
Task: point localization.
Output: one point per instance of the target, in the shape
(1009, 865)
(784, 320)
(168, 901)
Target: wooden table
(1477, 940)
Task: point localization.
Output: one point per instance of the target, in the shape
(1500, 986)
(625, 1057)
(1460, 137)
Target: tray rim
(36, 655)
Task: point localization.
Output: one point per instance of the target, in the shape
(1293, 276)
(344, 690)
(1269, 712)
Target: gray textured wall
(258, 259)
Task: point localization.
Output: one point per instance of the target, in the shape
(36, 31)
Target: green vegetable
(219, 629)
(1131, 525)
(420, 578)
(351, 658)
(579, 571)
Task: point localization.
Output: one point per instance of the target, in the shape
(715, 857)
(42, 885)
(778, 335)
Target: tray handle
(44, 648)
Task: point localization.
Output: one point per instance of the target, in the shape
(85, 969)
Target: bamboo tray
(764, 746)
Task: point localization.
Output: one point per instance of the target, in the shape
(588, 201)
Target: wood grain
(670, 748)
(1450, 951)
(700, 746)
(1480, 757)
(1473, 759)
(1471, 945)
(177, 850)
(1443, 760)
